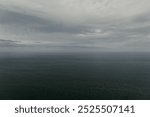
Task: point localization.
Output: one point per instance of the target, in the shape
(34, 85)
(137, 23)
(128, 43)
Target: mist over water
(105, 75)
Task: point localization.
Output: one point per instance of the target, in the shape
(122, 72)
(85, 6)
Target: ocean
(75, 76)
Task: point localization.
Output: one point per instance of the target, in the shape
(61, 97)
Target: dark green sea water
(75, 76)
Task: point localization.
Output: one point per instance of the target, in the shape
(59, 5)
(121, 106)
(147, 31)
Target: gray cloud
(21, 21)
(102, 25)
(8, 43)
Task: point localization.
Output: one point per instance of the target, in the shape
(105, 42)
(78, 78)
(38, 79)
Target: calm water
(75, 76)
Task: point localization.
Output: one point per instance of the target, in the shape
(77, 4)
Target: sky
(99, 25)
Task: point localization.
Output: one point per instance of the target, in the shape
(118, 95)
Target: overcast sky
(103, 25)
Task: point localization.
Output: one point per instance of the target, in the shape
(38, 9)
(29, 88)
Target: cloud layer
(105, 25)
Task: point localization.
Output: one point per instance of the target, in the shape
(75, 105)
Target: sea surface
(80, 76)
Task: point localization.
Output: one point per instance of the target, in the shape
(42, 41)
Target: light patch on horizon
(102, 24)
